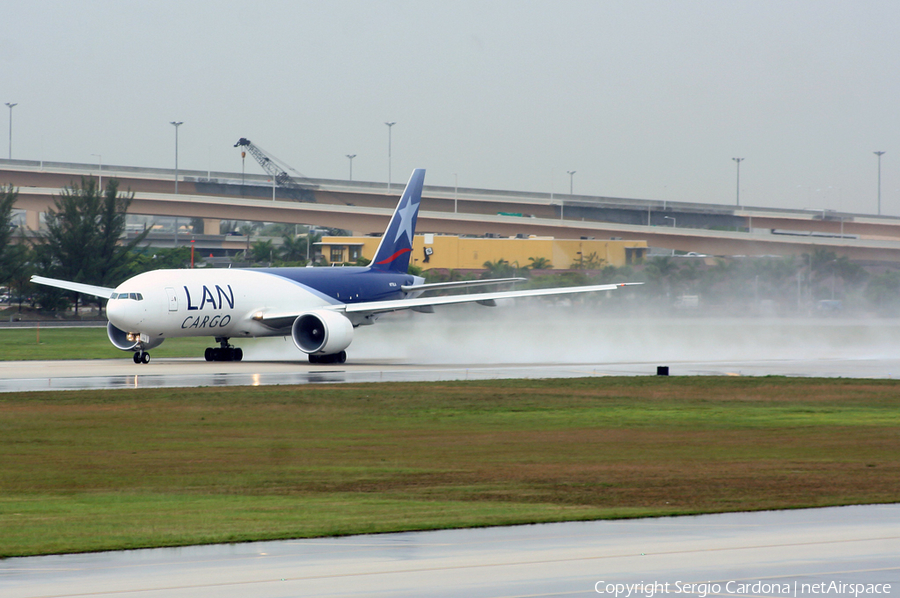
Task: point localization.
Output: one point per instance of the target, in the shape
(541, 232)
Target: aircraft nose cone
(114, 312)
(124, 313)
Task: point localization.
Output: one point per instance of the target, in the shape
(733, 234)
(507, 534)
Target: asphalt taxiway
(777, 554)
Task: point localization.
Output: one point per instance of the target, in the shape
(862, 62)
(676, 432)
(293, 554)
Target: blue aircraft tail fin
(396, 244)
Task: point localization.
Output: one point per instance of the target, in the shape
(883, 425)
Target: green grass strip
(103, 470)
(42, 343)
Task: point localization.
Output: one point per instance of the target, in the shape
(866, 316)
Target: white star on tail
(406, 221)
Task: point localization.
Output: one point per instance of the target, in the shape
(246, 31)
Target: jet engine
(129, 341)
(322, 332)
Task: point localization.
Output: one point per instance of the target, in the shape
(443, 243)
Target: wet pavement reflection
(190, 373)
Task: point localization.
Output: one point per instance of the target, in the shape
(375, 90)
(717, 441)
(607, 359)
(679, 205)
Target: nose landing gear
(141, 357)
(224, 352)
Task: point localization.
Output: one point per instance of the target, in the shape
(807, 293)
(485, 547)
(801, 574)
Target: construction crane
(301, 191)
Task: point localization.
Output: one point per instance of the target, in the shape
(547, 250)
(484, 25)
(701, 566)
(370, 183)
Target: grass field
(98, 470)
(18, 344)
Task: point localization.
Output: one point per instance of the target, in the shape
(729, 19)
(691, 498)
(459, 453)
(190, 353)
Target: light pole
(389, 126)
(99, 171)
(243, 158)
(571, 180)
(672, 218)
(840, 206)
(176, 124)
(11, 106)
(738, 160)
(351, 156)
(879, 154)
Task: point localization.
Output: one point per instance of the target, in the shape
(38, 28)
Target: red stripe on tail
(393, 257)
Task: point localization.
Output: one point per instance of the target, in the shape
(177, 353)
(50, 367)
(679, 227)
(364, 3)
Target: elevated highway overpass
(365, 208)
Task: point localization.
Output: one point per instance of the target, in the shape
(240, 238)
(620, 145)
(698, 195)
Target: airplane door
(173, 299)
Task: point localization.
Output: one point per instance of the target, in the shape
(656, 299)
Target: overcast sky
(644, 99)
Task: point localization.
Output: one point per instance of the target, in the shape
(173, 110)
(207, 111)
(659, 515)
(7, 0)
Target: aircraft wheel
(330, 358)
(145, 357)
(238, 354)
(208, 354)
(137, 357)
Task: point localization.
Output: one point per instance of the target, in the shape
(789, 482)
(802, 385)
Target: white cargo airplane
(317, 307)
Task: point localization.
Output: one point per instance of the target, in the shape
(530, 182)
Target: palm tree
(263, 251)
(539, 263)
(659, 271)
(293, 249)
(591, 261)
(660, 267)
(499, 269)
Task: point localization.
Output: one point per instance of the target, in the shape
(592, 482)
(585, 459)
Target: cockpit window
(132, 296)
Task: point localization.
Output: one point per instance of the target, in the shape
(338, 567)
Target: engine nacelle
(322, 332)
(128, 341)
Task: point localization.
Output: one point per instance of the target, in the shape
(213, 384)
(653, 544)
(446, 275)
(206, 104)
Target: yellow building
(464, 253)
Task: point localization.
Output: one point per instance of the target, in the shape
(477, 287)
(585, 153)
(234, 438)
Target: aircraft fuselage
(224, 302)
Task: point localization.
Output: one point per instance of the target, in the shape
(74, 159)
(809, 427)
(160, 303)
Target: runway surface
(478, 343)
(161, 373)
(738, 554)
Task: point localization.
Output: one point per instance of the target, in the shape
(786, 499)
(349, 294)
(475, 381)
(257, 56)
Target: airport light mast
(738, 160)
(390, 126)
(11, 106)
(351, 156)
(879, 154)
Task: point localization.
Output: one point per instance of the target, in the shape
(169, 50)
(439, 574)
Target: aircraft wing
(374, 307)
(435, 286)
(86, 289)
(284, 320)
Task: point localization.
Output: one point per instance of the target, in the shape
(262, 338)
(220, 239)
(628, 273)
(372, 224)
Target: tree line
(817, 282)
(84, 240)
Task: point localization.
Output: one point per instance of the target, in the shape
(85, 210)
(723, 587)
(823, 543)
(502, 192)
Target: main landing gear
(224, 352)
(333, 358)
(141, 357)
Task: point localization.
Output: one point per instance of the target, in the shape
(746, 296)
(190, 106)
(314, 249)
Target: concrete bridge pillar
(33, 220)
(211, 226)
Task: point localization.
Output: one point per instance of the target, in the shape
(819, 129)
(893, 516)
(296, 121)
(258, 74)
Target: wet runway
(478, 344)
(161, 373)
(775, 553)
